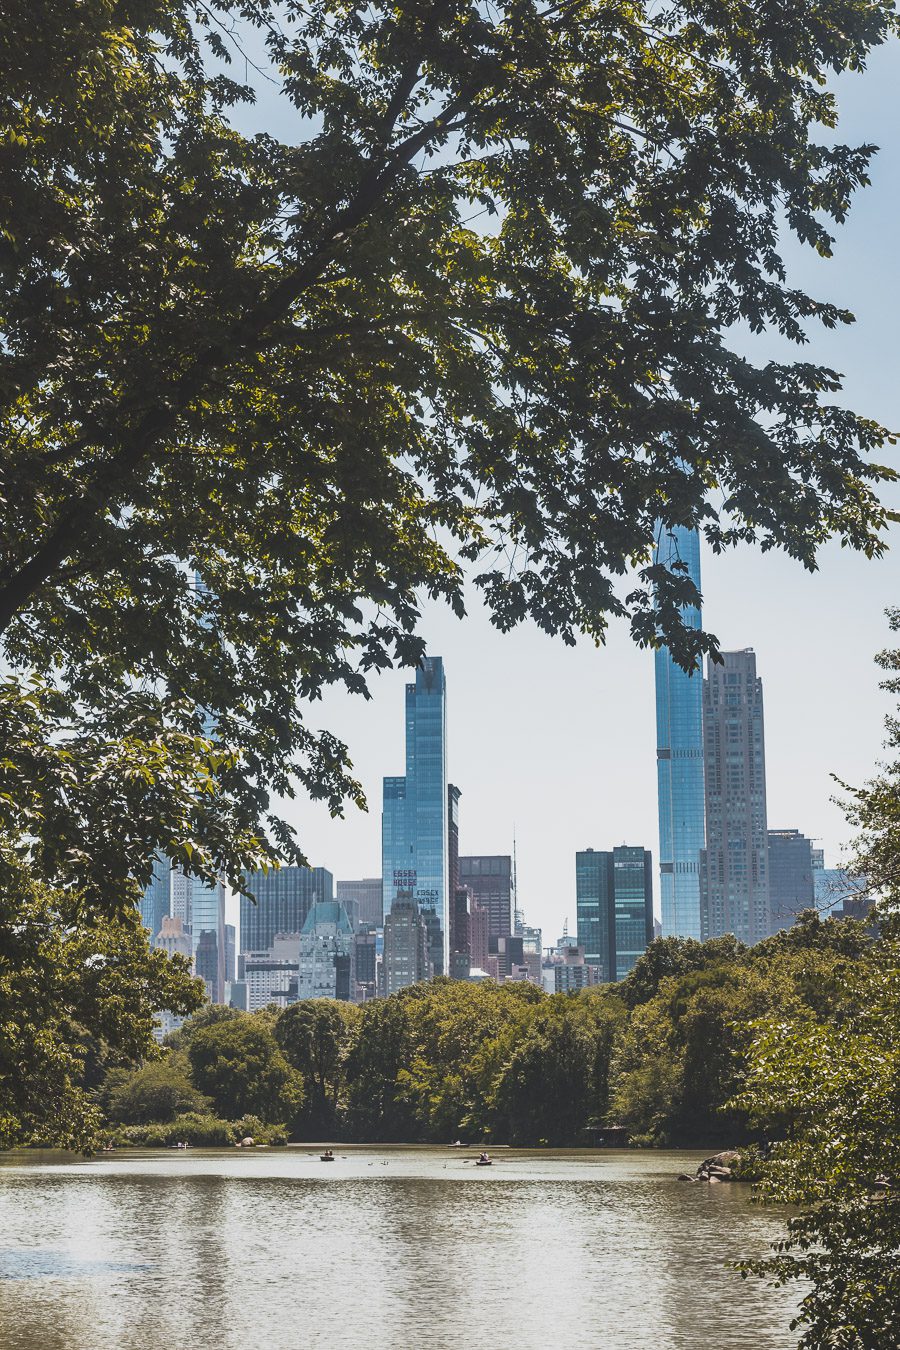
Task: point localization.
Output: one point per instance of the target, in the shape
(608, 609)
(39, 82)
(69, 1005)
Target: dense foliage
(663, 1053)
(832, 1086)
(79, 996)
(466, 315)
(827, 1090)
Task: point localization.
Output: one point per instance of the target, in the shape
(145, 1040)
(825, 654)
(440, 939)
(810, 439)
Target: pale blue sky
(560, 742)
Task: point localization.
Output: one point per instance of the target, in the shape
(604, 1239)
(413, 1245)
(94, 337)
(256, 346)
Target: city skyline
(834, 618)
(546, 786)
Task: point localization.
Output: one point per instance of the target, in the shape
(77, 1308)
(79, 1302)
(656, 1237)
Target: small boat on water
(327, 1156)
(484, 1161)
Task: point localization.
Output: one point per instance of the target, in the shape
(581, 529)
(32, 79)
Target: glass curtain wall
(679, 755)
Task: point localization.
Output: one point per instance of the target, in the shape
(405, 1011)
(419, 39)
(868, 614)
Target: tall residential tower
(735, 864)
(415, 830)
(679, 756)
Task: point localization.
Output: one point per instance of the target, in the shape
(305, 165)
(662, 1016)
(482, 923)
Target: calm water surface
(382, 1250)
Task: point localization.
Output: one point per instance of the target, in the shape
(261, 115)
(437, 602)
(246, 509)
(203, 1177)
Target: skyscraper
(208, 935)
(679, 758)
(459, 963)
(791, 881)
(478, 936)
(405, 944)
(284, 897)
(327, 951)
(366, 894)
(415, 834)
(489, 878)
(156, 900)
(595, 910)
(735, 870)
(614, 896)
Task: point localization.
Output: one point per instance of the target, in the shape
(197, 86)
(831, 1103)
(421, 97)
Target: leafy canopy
(466, 315)
(79, 996)
(834, 1083)
(237, 1063)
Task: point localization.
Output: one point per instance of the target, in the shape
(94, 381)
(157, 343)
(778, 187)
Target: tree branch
(245, 338)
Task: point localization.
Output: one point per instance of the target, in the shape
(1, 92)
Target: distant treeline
(662, 1053)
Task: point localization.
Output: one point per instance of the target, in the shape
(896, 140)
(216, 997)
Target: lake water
(383, 1249)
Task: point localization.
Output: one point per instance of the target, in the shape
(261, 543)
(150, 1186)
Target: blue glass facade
(414, 819)
(594, 906)
(155, 900)
(614, 896)
(633, 903)
(208, 935)
(679, 755)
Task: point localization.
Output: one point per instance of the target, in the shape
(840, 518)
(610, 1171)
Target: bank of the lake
(263, 1249)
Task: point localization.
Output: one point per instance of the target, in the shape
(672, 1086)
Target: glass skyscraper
(208, 935)
(284, 897)
(679, 757)
(155, 902)
(593, 882)
(614, 895)
(414, 819)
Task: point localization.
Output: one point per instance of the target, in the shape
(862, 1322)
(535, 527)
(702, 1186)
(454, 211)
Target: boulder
(718, 1168)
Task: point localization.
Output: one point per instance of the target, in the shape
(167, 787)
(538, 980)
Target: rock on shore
(718, 1168)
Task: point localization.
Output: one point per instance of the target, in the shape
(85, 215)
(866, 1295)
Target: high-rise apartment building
(791, 879)
(461, 955)
(267, 975)
(365, 945)
(405, 945)
(478, 935)
(490, 880)
(680, 758)
(595, 910)
(735, 863)
(284, 897)
(208, 935)
(460, 962)
(181, 892)
(614, 897)
(172, 938)
(415, 833)
(366, 894)
(156, 902)
(327, 952)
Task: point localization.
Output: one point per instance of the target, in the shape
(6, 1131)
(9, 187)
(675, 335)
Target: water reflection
(400, 1249)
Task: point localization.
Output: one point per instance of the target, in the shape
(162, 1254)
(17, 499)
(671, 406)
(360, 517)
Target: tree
(874, 808)
(156, 1092)
(237, 1063)
(669, 956)
(465, 317)
(827, 1093)
(831, 1087)
(556, 1081)
(381, 1051)
(314, 1036)
(682, 1058)
(79, 993)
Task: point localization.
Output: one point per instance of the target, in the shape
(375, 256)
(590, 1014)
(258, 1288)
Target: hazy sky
(559, 743)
